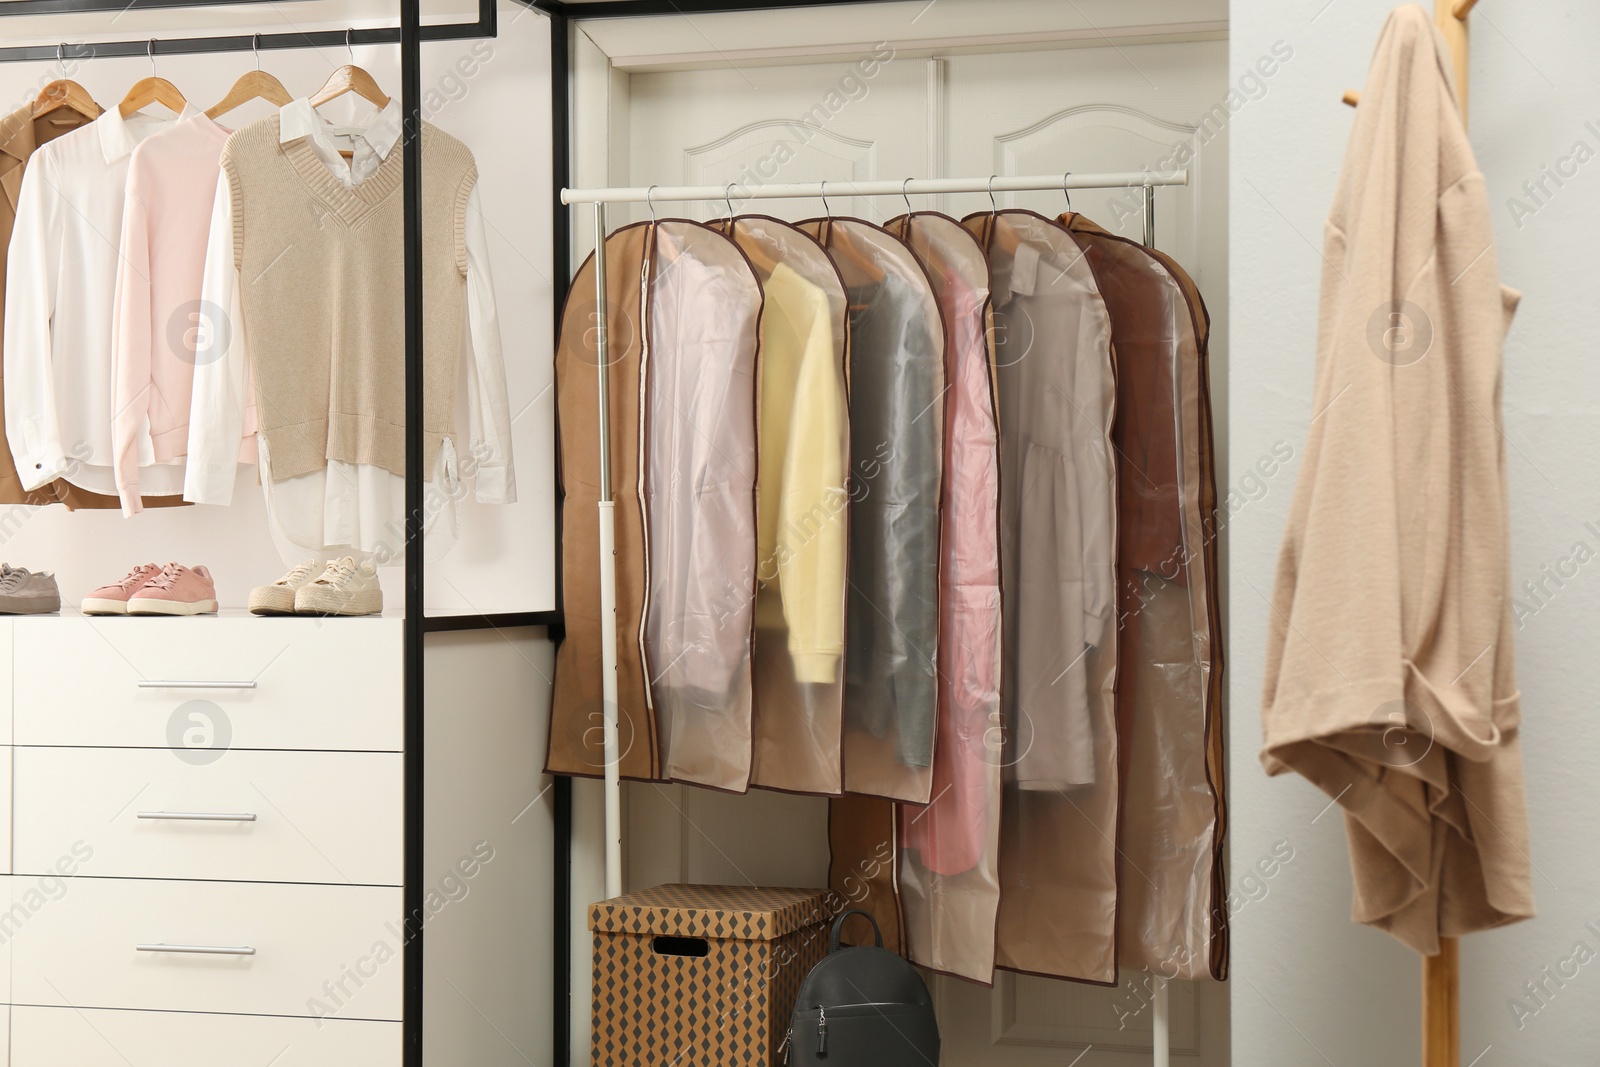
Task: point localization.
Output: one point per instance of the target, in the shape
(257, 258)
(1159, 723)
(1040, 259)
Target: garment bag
(1056, 392)
(897, 384)
(802, 509)
(577, 743)
(949, 861)
(1172, 918)
(700, 449)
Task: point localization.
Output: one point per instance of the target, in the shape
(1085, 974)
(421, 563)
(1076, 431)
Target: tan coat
(1389, 680)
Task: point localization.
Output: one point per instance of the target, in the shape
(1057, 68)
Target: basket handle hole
(693, 947)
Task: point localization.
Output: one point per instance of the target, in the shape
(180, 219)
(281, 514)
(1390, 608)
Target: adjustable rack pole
(1149, 216)
(1160, 1039)
(608, 572)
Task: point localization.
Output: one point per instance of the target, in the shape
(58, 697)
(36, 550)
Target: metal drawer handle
(200, 950)
(200, 816)
(154, 683)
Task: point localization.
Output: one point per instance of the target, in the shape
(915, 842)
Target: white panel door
(1123, 107)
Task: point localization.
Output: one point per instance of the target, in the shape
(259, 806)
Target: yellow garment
(801, 501)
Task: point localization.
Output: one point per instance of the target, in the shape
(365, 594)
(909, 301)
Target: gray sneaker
(25, 592)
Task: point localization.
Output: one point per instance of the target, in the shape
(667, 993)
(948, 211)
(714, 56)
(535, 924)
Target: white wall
(505, 560)
(1309, 987)
(487, 952)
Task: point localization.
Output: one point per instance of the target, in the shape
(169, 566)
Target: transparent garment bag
(699, 481)
(802, 539)
(577, 741)
(950, 847)
(1173, 913)
(1056, 391)
(897, 384)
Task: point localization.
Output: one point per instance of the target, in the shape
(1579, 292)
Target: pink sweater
(160, 326)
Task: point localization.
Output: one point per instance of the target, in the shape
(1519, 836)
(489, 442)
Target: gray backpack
(862, 1007)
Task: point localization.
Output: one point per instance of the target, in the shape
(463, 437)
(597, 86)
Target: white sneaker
(344, 588)
(278, 598)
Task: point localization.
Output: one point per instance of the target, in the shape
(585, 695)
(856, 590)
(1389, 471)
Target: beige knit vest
(322, 289)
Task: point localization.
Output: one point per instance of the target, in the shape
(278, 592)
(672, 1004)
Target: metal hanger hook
(349, 44)
(255, 47)
(903, 195)
(1065, 191)
(150, 50)
(994, 209)
(650, 203)
(823, 192)
(727, 195)
(61, 58)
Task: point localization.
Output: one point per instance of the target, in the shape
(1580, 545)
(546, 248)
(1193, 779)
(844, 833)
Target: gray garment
(896, 433)
(25, 592)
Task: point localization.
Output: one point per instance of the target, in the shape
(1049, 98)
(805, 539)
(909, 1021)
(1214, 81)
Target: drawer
(208, 684)
(272, 949)
(7, 626)
(97, 1037)
(251, 816)
(5, 812)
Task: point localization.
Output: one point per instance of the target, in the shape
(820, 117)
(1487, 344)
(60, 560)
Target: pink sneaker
(177, 590)
(113, 599)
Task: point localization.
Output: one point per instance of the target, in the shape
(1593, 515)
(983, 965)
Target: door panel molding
(1111, 136)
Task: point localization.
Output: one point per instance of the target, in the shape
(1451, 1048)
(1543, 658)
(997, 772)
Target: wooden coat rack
(1441, 974)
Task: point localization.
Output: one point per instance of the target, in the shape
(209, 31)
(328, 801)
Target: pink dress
(949, 832)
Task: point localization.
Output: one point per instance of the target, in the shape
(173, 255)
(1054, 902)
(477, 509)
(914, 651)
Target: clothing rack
(1145, 181)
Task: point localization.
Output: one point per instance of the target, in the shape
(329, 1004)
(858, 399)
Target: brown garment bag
(1172, 912)
(577, 742)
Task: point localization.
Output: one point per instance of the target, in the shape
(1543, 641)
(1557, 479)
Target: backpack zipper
(822, 1030)
(784, 1048)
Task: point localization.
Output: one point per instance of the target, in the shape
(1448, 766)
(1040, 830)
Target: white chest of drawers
(238, 786)
(206, 841)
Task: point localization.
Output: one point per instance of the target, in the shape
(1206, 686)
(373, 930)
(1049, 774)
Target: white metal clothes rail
(1146, 181)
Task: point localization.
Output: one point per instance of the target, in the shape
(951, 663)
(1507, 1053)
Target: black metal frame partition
(409, 35)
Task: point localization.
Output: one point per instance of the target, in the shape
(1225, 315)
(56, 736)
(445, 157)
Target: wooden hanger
(254, 85)
(765, 261)
(152, 90)
(1004, 235)
(64, 92)
(147, 91)
(350, 79)
(752, 246)
(840, 241)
